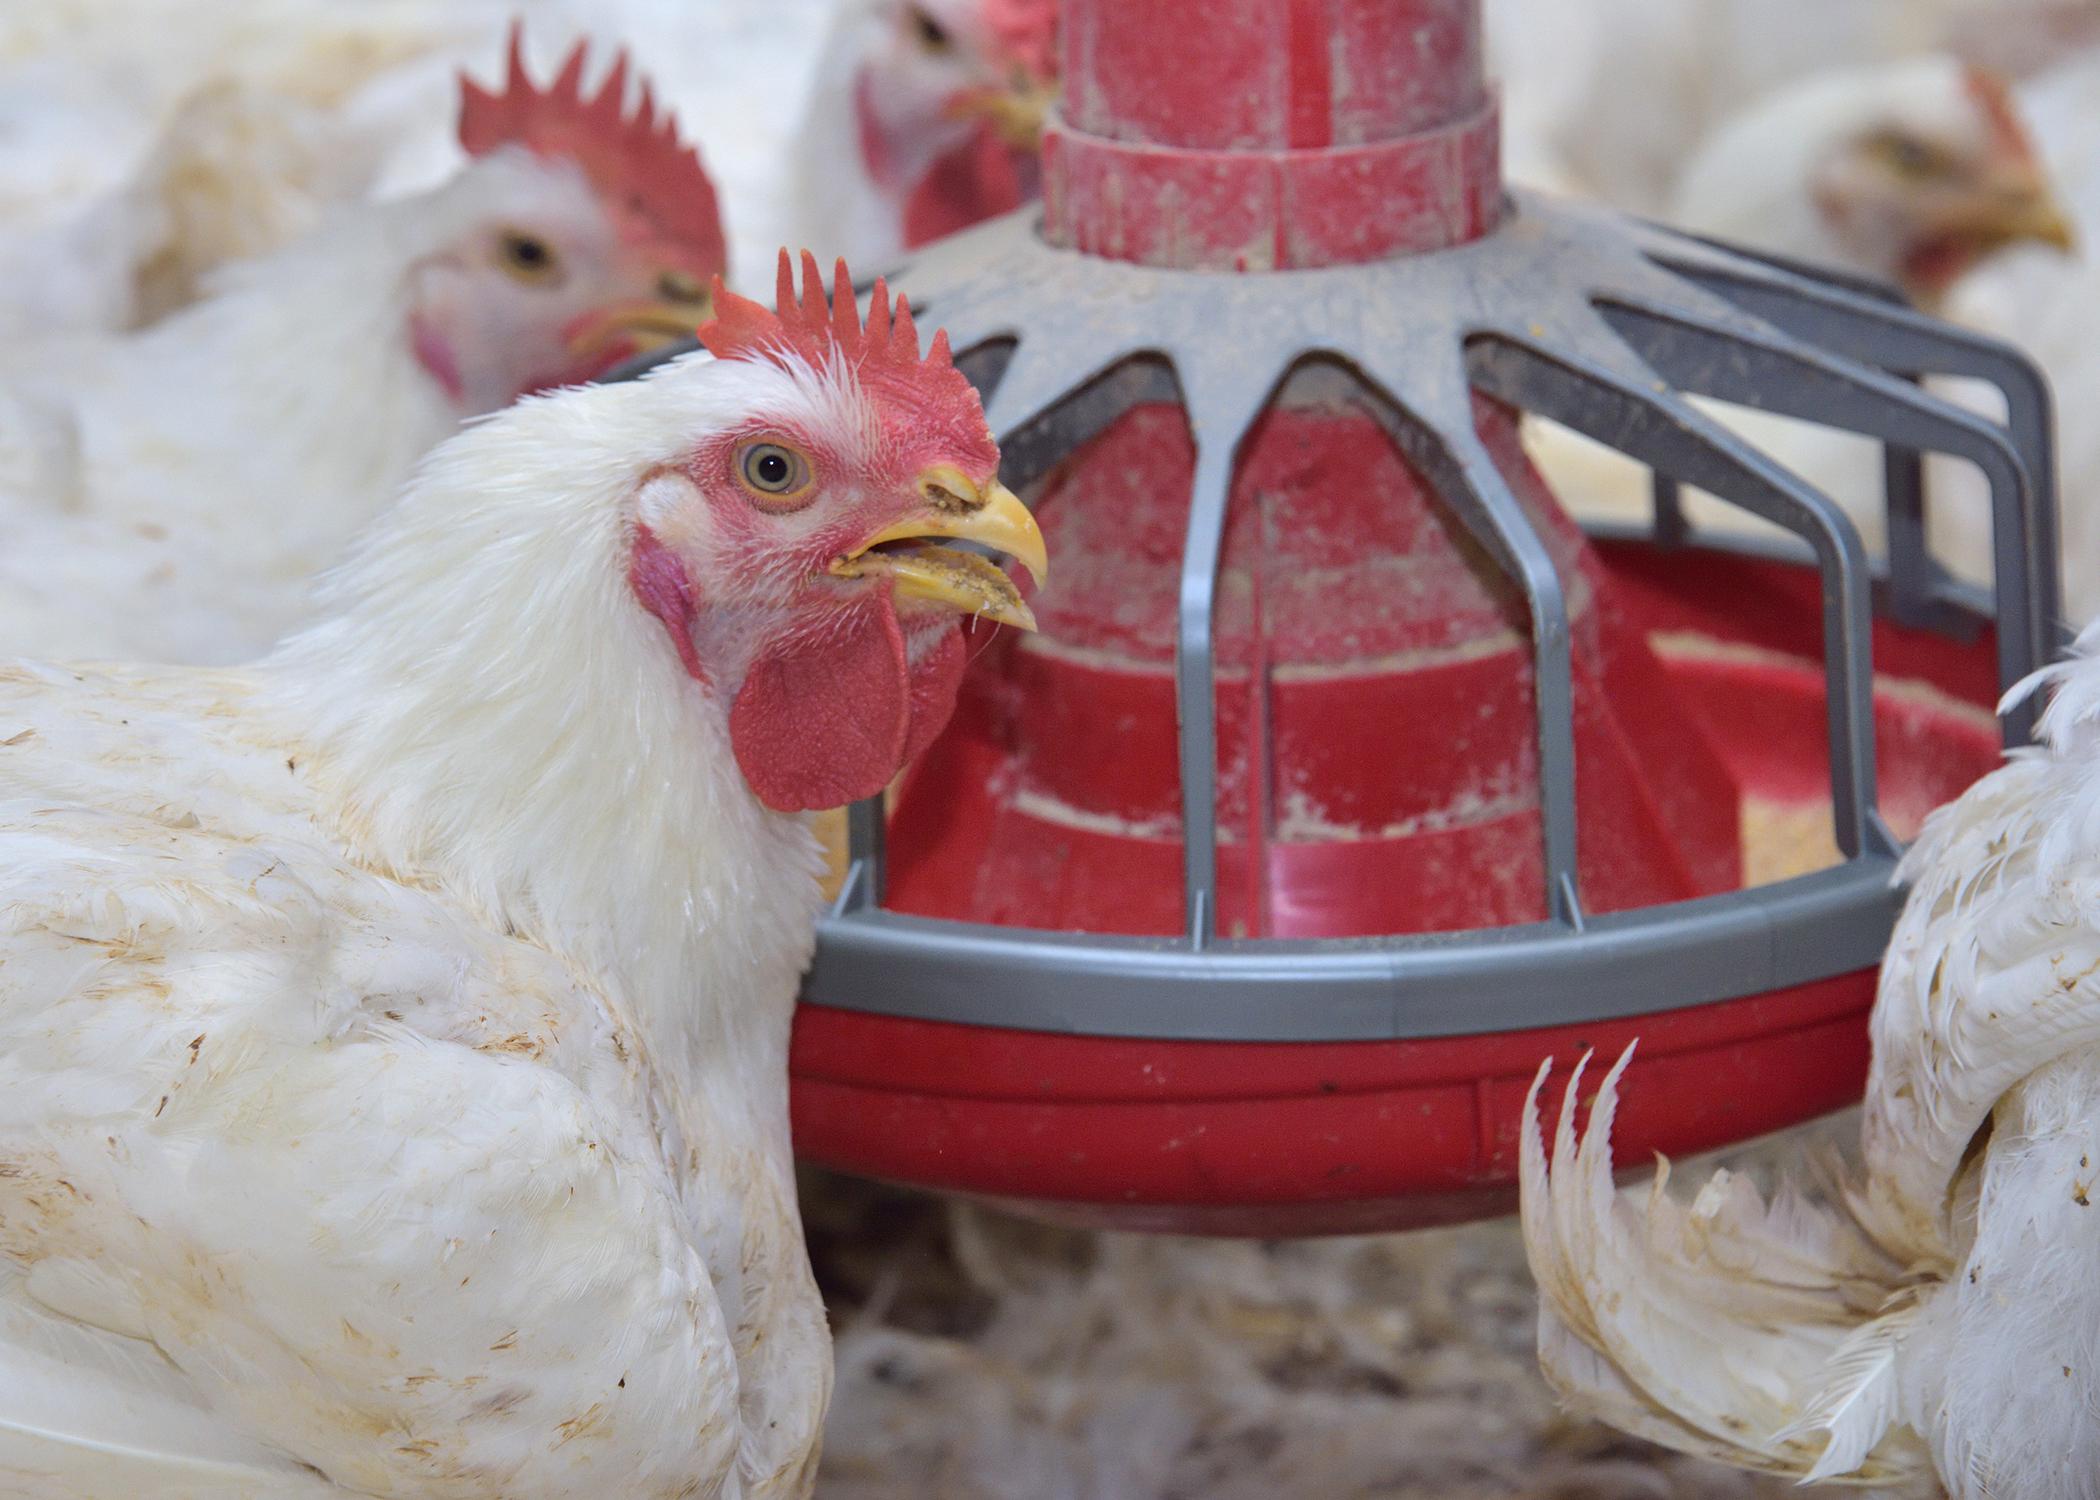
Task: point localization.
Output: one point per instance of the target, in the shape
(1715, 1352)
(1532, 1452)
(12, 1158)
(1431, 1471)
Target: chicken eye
(676, 286)
(772, 471)
(1909, 156)
(527, 256)
(931, 34)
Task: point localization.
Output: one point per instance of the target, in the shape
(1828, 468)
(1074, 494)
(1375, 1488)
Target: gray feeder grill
(1121, 975)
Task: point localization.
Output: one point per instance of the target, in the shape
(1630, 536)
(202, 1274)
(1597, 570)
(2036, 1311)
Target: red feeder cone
(1347, 779)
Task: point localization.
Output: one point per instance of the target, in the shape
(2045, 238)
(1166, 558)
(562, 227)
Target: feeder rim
(1616, 965)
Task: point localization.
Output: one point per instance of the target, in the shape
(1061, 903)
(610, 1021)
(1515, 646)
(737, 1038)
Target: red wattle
(433, 352)
(874, 146)
(978, 180)
(935, 680)
(822, 720)
(829, 719)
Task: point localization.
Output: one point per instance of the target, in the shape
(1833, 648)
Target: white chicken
(1936, 1312)
(923, 118)
(394, 1033)
(152, 473)
(2046, 304)
(1911, 172)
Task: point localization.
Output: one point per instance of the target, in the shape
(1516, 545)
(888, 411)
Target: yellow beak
(644, 324)
(1016, 111)
(2020, 205)
(954, 509)
(2045, 222)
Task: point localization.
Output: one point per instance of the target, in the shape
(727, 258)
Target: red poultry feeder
(1348, 778)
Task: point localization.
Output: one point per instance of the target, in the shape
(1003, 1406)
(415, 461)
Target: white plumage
(171, 492)
(1930, 1309)
(144, 144)
(393, 1034)
(421, 1156)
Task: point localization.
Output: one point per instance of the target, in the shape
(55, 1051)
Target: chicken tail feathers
(1856, 1404)
(1762, 1335)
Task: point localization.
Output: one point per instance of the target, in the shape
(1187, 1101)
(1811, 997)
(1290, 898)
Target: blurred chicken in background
(924, 118)
(149, 471)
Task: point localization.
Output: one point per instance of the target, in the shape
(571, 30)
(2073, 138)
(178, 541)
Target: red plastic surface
(1386, 782)
(1300, 134)
(1301, 1138)
(1310, 1138)
(1269, 73)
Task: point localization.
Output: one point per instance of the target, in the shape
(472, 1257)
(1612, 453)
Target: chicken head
(797, 556)
(580, 234)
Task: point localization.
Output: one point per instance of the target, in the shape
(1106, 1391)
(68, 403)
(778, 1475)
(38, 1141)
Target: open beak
(636, 327)
(954, 509)
(1016, 111)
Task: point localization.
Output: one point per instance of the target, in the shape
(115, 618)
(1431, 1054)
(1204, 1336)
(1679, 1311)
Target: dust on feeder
(1348, 778)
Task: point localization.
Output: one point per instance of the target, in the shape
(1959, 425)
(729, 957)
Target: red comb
(1993, 95)
(651, 181)
(884, 350)
(1026, 31)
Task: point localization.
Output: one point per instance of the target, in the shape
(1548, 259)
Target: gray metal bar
(1670, 527)
(1032, 445)
(1916, 581)
(866, 823)
(1436, 433)
(1627, 407)
(1195, 688)
(1475, 482)
(1896, 339)
(1767, 370)
(1220, 410)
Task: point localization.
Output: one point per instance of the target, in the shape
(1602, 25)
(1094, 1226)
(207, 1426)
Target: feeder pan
(1455, 786)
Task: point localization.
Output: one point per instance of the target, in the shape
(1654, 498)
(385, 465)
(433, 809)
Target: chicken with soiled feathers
(169, 494)
(394, 1032)
(1931, 1313)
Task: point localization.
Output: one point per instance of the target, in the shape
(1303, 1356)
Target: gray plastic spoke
(1524, 303)
(1438, 433)
(1668, 524)
(1042, 374)
(1083, 410)
(1222, 403)
(1620, 401)
(863, 887)
(1737, 360)
(1835, 317)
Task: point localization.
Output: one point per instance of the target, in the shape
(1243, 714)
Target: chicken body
(395, 1031)
(308, 1166)
(2045, 304)
(1931, 1313)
